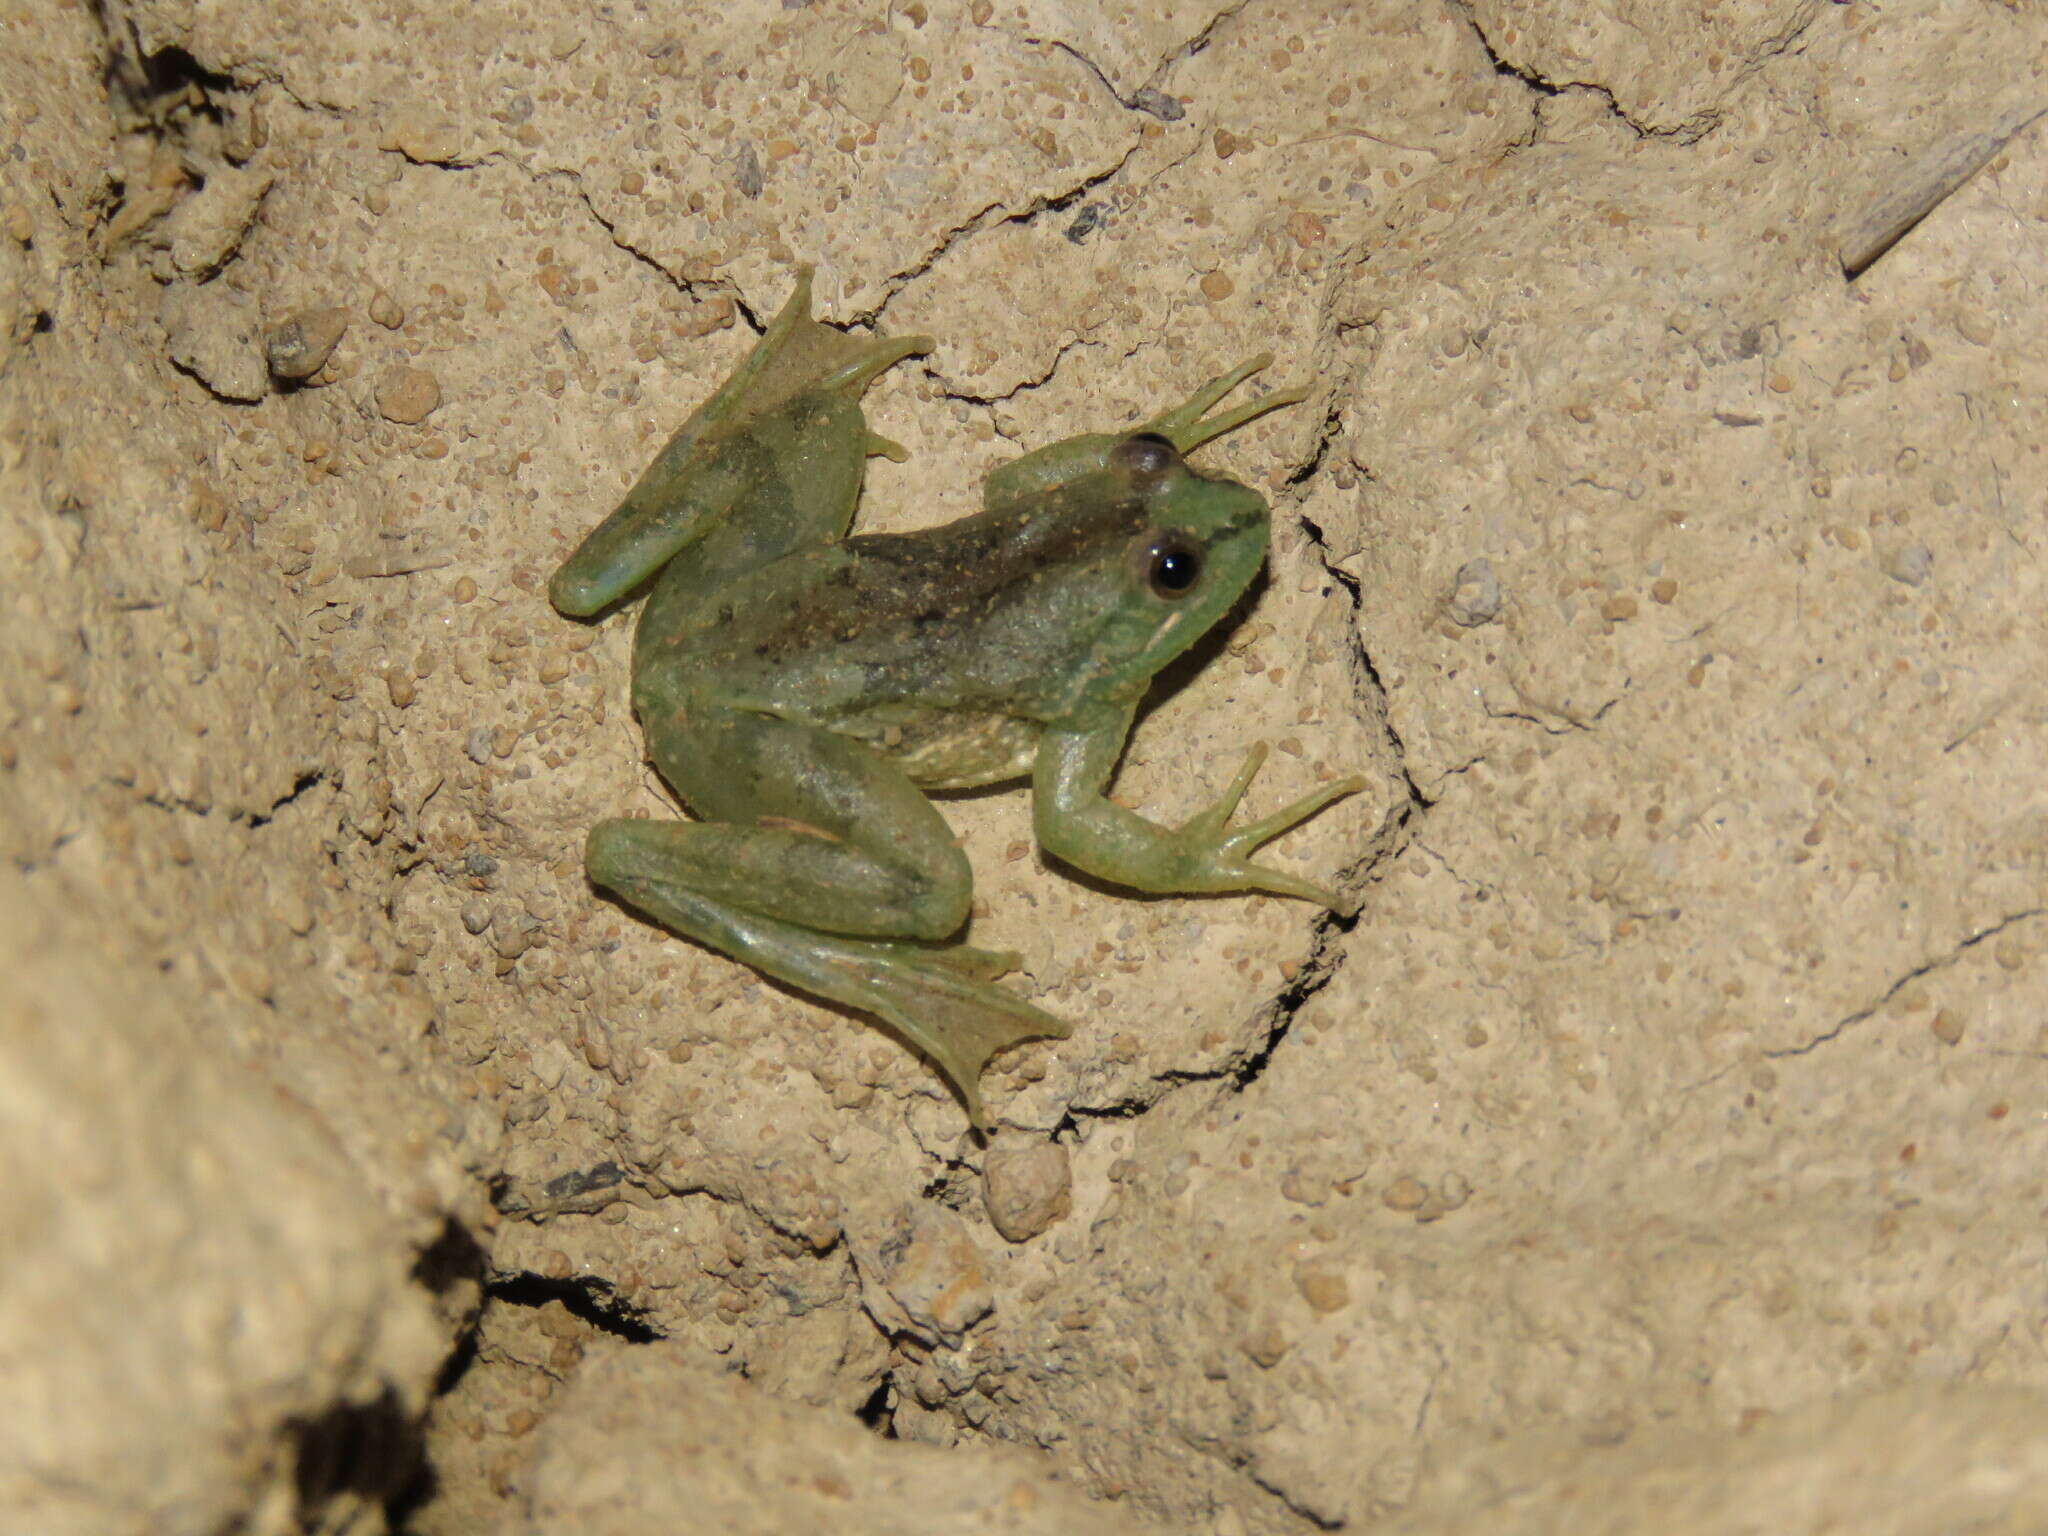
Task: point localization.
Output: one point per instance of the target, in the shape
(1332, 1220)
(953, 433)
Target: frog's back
(948, 649)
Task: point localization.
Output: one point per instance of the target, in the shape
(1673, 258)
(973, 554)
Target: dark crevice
(1501, 66)
(684, 285)
(449, 1259)
(1120, 1109)
(151, 85)
(1370, 685)
(254, 819)
(991, 217)
(372, 1451)
(1312, 466)
(1688, 132)
(878, 1413)
(464, 1355)
(1314, 975)
(587, 1298)
(968, 397)
(1394, 832)
(1148, 99)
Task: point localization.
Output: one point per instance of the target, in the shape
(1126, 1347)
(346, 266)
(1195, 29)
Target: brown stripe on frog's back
(885, 581)
(997, 553)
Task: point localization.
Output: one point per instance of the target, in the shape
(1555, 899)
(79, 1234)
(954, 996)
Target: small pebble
(407, 395)
(298, 346)
(1026, 1187)
(1162, 106)
(422, 139)
(1476, 598)
(1323, 1289)
(1266, 1345)
(386, 310)
(1912, 565)
(932, 1270)
(1404, 1194)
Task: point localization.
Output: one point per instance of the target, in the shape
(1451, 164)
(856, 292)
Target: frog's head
(1199, 544)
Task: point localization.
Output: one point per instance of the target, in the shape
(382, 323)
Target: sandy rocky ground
(1660, 1147)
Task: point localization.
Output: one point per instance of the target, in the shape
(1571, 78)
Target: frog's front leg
(822, 865)
(1076, 820)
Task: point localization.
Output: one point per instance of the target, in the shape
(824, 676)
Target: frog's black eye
(1171, 565)
(1144, 459)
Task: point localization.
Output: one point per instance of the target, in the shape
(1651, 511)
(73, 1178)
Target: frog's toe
(868, 358)
(886, 448)
(1184, 425)
(1274, 883)
(940, 1001)
(1288, 817)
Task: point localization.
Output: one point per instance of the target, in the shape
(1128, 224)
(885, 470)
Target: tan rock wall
(1657, 1149)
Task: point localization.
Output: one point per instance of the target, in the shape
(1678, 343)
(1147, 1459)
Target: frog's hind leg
(801, 824)
(778, 449)
(938, 999)
(822, 865)
(1184, 427)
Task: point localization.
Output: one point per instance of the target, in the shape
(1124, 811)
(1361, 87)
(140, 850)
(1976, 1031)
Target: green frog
(801, 690)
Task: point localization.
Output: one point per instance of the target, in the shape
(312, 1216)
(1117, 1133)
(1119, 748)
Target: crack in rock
(1938, 963)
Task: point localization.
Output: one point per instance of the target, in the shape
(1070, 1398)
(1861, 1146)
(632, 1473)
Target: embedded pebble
(1026, 1187)
(1975, 326)
(298, 346)
(421, 139)
(1323, 1288)
(1162, 106)
(1912, 565)
(932, 1270)
(1476, 597)
(210, 332)
(1267, 1344)
(1404, 1194)
(386, 310)
(407, 395)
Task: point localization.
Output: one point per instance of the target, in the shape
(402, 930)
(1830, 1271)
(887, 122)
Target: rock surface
(1655, 1149)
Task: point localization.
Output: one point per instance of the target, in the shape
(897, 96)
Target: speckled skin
(801, 689)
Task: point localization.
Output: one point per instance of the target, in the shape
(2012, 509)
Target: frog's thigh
(798, 824)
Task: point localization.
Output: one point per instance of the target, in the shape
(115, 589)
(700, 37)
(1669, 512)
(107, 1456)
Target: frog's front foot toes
(1226, 856)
